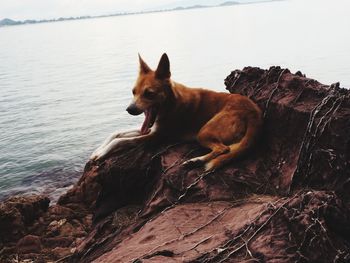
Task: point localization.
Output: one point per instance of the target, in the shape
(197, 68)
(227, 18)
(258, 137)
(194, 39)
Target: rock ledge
(287, 200)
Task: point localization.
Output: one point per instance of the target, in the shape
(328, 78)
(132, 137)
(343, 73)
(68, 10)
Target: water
(65, 86)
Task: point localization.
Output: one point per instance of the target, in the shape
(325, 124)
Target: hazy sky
(38, 9)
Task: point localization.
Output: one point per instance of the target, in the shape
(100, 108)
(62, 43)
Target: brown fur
(227, 124)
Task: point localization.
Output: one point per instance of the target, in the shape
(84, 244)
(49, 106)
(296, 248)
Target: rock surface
(287, 200)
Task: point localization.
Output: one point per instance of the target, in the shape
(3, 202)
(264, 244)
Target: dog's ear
(144, 68)
(163, 69)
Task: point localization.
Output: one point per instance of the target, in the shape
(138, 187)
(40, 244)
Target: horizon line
(125, 13)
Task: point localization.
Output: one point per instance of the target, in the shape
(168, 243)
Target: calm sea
(65, 86)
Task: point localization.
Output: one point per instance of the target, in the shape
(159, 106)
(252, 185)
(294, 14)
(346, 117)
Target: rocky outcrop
(287, 200)
(32, 230)
(306, 128)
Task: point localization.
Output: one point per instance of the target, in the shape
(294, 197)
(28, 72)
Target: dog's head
(150, 91)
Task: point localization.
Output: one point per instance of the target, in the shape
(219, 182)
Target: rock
(57, 224)
(77, 242)
(30, 207)
(307, 124)
(86, 190)
(87, 221)
(261, 227)
(11, 223)
(60, 252)
(61, 211)
(18, 212)
(59, 241)
(25, 220)
(66, 229)
(29, 244)
(286, 200)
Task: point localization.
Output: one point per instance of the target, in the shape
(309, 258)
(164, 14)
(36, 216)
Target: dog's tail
(254, 123)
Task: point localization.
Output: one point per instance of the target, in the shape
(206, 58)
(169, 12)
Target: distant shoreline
(9, 22)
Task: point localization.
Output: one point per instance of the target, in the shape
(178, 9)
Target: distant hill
(178, 8)
(9, 22)
(196, 6)
(228, 3)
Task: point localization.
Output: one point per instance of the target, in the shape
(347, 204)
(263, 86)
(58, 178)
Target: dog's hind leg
(252, 125)
(217, 134)
(216, 150)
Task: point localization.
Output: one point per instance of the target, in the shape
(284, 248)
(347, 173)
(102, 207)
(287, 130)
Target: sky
(44, 9)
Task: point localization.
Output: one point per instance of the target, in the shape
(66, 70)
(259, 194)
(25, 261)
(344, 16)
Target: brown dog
(227, 124)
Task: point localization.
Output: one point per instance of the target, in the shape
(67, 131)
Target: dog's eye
(149, 94)
(133, 91)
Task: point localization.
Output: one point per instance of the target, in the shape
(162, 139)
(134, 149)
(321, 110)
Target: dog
(227, 124)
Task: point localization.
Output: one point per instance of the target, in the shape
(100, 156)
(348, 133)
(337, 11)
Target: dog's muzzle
(133, 109)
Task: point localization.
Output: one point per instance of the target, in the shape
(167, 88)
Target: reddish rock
(29, 244)
(25, 220)
(68, 229)
(188, 215)
(287, 200)
(59, 241)
(30, 207)
(86, 190)
(261, 227)
(306, 139)
(61, 211)
(17, 212)
(61, 252)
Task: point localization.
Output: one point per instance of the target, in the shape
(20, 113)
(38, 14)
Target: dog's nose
(133, 109)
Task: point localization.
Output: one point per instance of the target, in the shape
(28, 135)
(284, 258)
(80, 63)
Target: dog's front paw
(95, 156)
